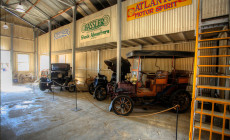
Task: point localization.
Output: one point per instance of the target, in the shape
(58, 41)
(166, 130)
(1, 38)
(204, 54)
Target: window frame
(18, 69)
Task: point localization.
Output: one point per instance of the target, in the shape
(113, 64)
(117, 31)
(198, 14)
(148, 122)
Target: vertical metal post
(35, 55)
(86, 68)
(118, 41)
(73, 50)
(12, 49)
(98, 60)
(74, 42)
(176, 120)
(49, 25)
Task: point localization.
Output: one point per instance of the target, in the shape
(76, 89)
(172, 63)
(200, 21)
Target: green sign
(95, 29)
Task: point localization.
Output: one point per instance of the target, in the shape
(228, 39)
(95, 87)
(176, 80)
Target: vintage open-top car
(162, 86)
(60, 76)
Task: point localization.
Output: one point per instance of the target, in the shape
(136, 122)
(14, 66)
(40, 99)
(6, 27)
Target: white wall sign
(96, 28)
(62, 34)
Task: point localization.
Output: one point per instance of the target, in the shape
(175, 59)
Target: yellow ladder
(198, 100)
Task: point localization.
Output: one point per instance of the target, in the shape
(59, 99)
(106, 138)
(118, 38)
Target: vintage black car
(60, 76)
(101, 87)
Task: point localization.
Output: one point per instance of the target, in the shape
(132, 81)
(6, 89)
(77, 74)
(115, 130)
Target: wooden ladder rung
(215, 32)
(215, 129)
(214, 76)
(213, 47)
(213, 65)
(215, 113)
(213, 100)
(214, 56)
(213, 87)
(224, 38)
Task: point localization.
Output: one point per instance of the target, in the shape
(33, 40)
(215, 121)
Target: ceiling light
(5, 26)
(20, 8)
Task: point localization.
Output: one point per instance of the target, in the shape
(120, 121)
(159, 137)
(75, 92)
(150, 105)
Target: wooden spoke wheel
(100, 93)
(122, 105)
(91, 88)
(182, 98)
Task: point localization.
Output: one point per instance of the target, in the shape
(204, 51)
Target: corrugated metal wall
(113, 22)
(171, 21)
(43, 46)
(63, 43)
(22, 44)
(5, 43)
(213, 8)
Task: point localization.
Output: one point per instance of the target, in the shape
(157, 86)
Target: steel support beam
(49, 26)
(168, 38)
(35, 55)
(118, 41)
(53, 17)
(156, 40)
(98, 60)
(63, 2)
(41, 11)
(183, 36)
(22, 19)
(31, 7)
(12, 49)
(74, 41)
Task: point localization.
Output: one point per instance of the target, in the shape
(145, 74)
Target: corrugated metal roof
(39, 11)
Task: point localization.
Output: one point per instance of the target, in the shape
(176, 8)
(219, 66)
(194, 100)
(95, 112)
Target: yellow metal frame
(212, 129)
(212, 114)
(224, 38)
(214, 32)
(213, 65)
(214, 56)
(214, 76)
(213, 47)
(195, 73)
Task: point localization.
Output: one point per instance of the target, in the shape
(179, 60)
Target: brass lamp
(133, 80)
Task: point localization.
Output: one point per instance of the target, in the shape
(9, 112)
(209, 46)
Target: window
(23, 62)
(61, 58)
(44, 62)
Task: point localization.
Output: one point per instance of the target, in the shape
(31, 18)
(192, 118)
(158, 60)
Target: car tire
(91, 88)
(43, 84)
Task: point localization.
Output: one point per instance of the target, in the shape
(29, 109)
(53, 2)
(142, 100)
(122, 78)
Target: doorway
(6, 70)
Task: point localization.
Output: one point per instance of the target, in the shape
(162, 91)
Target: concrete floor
(28, 113)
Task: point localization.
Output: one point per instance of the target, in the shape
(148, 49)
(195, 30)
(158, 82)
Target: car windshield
(60, 67)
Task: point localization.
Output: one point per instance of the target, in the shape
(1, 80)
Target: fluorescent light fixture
(5, 26)
(20, 8)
